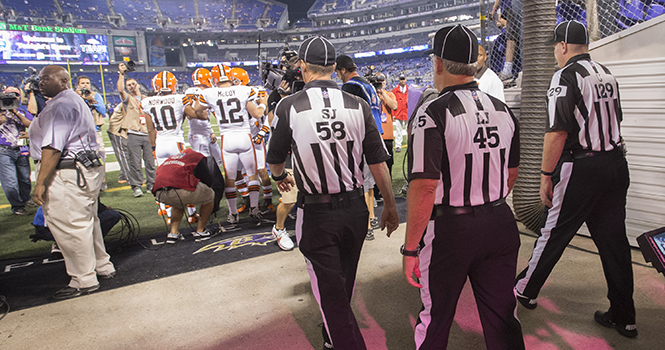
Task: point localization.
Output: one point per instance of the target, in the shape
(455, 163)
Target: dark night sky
(297, 8)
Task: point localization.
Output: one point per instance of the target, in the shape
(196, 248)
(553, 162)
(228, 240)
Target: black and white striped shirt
(583, 99)
(467, 140)
(328, 132)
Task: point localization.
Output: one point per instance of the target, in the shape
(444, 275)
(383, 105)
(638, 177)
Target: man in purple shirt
(14, 164)
(69, 176)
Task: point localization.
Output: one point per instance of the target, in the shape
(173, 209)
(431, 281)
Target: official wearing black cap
(584, 177)
(463, 158)
(329, 133)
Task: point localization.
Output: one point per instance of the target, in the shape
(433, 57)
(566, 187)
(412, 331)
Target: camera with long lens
(131, 66)
(376, 79)
(85, 92)
(89, 158)
(9, 101)
(273, 75)
(31, 83)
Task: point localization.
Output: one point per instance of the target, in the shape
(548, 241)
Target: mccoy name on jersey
(229, 105)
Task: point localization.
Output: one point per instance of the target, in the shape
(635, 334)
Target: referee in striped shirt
(329, 131)
(584, 177)
(463, 161)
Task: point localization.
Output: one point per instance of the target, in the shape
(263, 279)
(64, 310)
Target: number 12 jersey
(229, 105)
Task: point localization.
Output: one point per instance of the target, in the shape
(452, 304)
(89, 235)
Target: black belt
(332, 198)
(581, 154)
(445, 210)
(66, 164)
(13, 148)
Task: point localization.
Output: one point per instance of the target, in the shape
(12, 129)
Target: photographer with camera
(359, 86)
(69, 176)
(138, 143)
(30, 85)
(14, 163)
(388, 105)
(96, 103)
(288, 62)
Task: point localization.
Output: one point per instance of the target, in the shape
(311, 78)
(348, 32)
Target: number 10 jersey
(167, 113)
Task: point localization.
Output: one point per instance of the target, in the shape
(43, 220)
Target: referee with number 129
(329, 131)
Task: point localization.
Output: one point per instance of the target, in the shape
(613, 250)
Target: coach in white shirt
(66, 188)
(488, 81)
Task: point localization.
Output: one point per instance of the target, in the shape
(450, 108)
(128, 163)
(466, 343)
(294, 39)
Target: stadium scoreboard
(33, 44)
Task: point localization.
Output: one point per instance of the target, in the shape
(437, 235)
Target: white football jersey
(229, 105)
(167, 113)
(196, 126)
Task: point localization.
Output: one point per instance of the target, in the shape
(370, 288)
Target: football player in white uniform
(201, 136)
(166, 111)
(234, 106)
(259, 130)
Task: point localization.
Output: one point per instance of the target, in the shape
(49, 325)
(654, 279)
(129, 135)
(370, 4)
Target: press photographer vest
(134, 121)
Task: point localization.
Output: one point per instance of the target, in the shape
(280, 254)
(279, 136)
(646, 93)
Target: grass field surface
(16, 230)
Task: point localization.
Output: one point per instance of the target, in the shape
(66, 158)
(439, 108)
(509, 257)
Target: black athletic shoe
(526, 301)
(627, 330)
(69, 292)
(327, 343)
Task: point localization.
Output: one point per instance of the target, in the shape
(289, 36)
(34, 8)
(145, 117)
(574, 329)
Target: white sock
(191, 210)
(231, 199)
(267, 194)
(253, 186)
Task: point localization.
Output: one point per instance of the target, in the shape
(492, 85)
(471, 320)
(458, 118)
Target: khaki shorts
(179, 198)
(292, 195)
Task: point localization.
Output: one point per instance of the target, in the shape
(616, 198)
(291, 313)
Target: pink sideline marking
(579, 341)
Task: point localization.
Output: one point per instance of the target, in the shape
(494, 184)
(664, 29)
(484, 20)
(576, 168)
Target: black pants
(389, 163)
(482, 246)
(331, 236)
(591, 190)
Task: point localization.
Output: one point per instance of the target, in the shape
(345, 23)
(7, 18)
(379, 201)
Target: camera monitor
(652, 245)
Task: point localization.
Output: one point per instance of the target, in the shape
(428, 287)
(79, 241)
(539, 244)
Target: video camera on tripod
(273, 75)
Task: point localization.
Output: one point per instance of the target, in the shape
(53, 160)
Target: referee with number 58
(329, 131)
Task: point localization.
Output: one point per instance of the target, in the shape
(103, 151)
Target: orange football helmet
(220, 73)
(164, 82)
(239, 76)
(201, 76)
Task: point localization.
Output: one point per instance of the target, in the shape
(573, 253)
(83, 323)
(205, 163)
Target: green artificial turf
(15, 230)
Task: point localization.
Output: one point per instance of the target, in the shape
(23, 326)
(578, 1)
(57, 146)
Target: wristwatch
(409, 252)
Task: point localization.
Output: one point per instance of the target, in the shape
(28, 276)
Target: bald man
(64, 145)
(488, 81)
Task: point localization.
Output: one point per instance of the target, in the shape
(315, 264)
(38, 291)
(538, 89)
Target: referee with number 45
(463, 156)
(329, 131)
(584, 177)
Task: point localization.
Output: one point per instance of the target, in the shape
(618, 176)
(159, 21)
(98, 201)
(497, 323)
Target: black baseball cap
(570, 32)
(345, 61)
(317, 50)
(456, 43)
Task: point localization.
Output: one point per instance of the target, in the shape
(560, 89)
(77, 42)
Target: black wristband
(546, 173)
(280, 177)
(409, 252)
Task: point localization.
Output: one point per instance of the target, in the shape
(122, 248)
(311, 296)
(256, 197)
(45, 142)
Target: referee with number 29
(584, 177)
(329, 131)
(463, 156)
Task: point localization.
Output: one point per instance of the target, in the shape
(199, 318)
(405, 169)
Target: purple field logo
(261, 239)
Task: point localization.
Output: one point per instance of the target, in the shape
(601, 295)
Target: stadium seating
(90, 10)
(140, 13)
(34, 8)
(179, 11)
